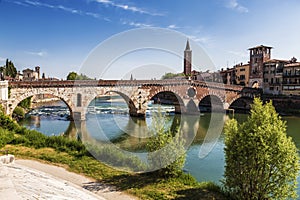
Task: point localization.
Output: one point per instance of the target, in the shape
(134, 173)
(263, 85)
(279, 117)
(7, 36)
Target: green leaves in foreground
(261, 161)
(166, 151)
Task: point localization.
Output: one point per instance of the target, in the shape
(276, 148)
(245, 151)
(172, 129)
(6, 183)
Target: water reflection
(131, 134)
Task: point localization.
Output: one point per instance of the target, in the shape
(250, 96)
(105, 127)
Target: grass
(72, 155)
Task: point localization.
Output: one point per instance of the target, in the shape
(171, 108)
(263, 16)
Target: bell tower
(258, 55)
(187, 63)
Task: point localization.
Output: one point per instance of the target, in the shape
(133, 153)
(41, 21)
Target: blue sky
(58, 35)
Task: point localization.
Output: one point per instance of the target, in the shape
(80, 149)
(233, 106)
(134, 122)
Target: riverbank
(27, 179)
(104, 178)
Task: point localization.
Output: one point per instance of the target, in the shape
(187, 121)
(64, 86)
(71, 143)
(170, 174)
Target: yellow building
(242, 74)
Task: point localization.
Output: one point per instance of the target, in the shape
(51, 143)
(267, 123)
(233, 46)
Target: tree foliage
(26, 103)
(18, 113)
(75, 76)
(9, 69)
(170, 75)
(166, 149)
(261, 160)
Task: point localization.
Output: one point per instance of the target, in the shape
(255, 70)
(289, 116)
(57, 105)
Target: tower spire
(187, 63)
(187, 48)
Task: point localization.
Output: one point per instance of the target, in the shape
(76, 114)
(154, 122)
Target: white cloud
(60, 7)
(173, 26)
(39, 53)
(137, 24)
(234, 5)
(128, 8)
(203, 40)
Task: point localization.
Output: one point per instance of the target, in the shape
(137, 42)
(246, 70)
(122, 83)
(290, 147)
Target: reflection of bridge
(185, 94)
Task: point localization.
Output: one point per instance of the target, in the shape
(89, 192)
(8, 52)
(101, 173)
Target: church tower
(187, 63)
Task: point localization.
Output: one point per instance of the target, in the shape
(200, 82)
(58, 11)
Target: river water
(109, 121)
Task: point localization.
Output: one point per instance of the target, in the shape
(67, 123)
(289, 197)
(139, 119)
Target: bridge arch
(241, 103)
(20, 98)
(174, 99)
(211, 103)
(132, 108)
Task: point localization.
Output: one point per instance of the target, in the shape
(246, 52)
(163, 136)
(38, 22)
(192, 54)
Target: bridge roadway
(137, 93)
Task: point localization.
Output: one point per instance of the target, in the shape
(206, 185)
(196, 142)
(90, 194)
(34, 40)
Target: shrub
(166, 149)
(5, 137)
(7, 123)
(116, 157)
(18, 113)
(261, 161)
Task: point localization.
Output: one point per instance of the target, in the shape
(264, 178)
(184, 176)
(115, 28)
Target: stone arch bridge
(77, 95)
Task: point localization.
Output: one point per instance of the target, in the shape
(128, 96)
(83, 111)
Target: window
(242, 69)
(266, 80)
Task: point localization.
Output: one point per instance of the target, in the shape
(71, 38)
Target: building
(291, 78)
(272, 74)
(31, 75)
(196, 75)
(242, 74)
(228, 76)
(187, 62)
(258, 55)
(237, 75)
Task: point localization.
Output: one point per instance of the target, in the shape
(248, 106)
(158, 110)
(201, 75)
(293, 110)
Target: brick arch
(234, 99)
(178, 109)
(216, 107)
(68, 102)
(210, 94)
(241, 97)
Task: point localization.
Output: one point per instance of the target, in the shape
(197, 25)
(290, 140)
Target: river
(109, 121)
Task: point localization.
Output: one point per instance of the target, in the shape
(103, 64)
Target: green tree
(18, 113)
(9, 69)
(166, 149)
(261, 160)
(170, 75)
(26, 103)
(72, 76)
(75, 76)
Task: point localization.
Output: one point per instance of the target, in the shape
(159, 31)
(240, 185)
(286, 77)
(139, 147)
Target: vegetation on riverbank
(262, 162)
(73, 155)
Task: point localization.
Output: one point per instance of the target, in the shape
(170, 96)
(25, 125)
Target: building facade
(31, 75)
(291, 78)
(272, 71)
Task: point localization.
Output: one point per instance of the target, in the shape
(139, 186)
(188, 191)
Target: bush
(115, 157)
(261, 161)
(166, 149)
(5, 137)
(18, 113)
(7, 123)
